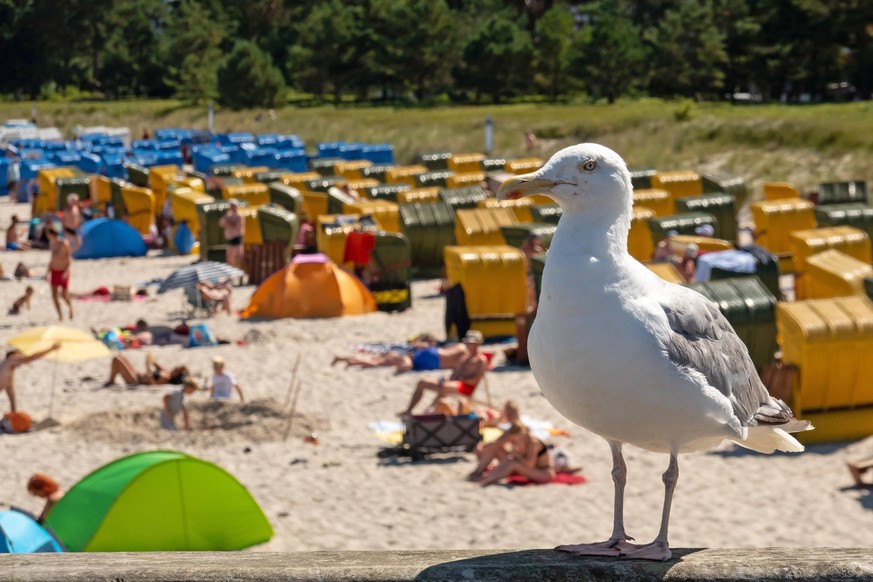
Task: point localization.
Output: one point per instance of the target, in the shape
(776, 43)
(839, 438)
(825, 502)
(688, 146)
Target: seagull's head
(582, 178)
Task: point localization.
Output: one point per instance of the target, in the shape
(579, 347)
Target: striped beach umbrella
(190, 275)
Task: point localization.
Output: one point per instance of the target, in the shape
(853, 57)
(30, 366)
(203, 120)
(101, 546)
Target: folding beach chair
(196, 306)
(438, 433)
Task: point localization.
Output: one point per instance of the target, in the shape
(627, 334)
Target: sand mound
(213, 423)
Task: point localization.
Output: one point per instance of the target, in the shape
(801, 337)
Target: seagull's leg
(660, 549)
(617, 544)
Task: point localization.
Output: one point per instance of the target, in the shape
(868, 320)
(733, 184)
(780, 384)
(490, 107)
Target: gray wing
(703, 340)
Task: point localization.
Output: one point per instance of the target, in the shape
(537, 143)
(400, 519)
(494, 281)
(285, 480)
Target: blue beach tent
(20, 534)
(104, 238)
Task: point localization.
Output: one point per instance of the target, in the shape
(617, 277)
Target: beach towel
(358, 247)
(560, 478)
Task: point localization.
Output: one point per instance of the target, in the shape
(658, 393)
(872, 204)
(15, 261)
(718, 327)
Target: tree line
(248, 53)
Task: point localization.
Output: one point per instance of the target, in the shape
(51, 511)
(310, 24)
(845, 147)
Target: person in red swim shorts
(463, 379)
(59, 269)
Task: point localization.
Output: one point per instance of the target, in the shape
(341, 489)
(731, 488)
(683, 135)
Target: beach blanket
(560, 478)
(105, 298)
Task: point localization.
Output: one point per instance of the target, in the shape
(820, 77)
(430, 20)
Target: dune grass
(800, 144)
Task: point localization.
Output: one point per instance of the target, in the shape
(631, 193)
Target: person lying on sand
(22, 272)
(153, 375)
(425, 355)
(22, 302)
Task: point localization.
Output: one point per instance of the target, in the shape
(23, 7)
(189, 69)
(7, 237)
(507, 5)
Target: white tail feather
(769, 439)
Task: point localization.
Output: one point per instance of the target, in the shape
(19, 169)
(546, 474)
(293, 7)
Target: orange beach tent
(310, 286)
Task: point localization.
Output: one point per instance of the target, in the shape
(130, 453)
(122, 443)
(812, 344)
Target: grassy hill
(800, 144)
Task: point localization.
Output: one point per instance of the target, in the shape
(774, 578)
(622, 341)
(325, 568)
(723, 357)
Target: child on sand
(174, 403)
(44, 486)
(22, 302)
(223, 383)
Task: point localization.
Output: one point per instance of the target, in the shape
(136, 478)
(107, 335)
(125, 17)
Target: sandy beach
(338, 495)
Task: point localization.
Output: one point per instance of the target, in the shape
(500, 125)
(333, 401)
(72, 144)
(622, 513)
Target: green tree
(740, 29)
(610, 57)
(417, 44)
(554, 37)
(247, 78)
(195, 53)
(332, 49)
(497, 59)
(688, 54)
(134, 52)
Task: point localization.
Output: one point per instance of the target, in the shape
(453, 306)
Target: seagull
(629, 356)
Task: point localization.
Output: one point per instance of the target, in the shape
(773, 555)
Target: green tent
(158, 501)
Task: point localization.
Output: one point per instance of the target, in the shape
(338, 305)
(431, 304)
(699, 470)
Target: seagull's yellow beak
(523, 185)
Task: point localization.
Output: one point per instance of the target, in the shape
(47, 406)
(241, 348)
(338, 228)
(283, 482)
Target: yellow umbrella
(76, 345)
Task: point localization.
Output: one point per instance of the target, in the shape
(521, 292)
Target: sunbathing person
(463, 379)
(219, 293)
(14, 241)
(425, 355)
(22, 302)
(518, 453)
(154, 374)
(22, 272)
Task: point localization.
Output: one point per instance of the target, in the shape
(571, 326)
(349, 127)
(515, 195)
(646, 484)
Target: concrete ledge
(493, 565)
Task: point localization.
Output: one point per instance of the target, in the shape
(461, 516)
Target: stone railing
(454, 566)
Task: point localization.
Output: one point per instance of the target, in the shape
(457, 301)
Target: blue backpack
(200, 335)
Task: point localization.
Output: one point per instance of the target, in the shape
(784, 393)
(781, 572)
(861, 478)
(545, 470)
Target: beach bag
(200, 335)
(122, 293)
(16, 422)
(112, 339)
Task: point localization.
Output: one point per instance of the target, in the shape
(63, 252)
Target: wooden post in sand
(292, 411)
(293, 378)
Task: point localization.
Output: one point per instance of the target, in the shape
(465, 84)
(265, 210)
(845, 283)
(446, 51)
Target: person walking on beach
(234, 229)
(71, 219)
(59, 268)
(14, 359)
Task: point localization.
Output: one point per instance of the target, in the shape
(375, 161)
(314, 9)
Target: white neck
(589, 235)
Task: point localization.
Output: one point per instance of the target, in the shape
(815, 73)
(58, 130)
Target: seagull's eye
(588, 166)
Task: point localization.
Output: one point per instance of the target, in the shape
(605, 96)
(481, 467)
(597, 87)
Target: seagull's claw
(612, 548)
(659, 551)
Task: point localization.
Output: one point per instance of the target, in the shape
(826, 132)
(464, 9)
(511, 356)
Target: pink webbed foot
(613, 548)
(659, 551)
